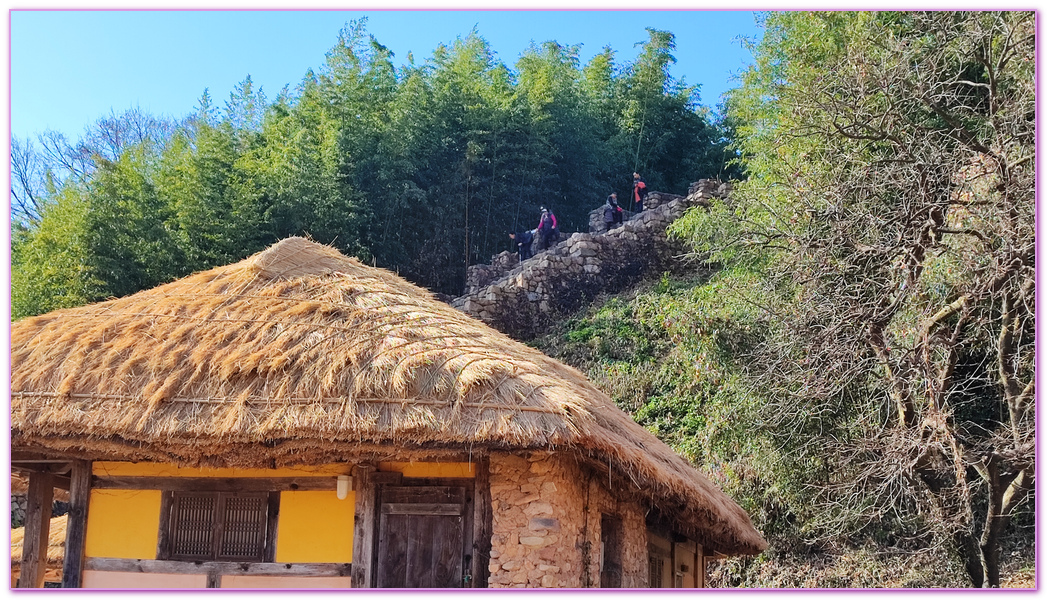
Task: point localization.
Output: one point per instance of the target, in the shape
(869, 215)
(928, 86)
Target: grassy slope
(663, 351)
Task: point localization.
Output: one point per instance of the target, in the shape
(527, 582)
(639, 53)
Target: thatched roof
(55, 543)
(299, 355)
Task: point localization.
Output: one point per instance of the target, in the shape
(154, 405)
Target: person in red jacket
(639, 191)
(547, 229)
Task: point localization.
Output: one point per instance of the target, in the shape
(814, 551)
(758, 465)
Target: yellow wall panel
(429, 469)
(123, 524)
(315, 527)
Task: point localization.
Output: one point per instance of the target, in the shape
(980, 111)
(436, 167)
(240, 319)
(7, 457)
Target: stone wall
(536, 521)
(654, 200)
(520, 299)
(546, 511)
(634, 542)
(479, 276)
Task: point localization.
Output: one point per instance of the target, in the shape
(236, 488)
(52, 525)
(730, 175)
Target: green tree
(50, 266)
(129, 238)
(890, 209)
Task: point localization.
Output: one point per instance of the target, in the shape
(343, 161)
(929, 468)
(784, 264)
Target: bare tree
(27, 182)
(893, 183)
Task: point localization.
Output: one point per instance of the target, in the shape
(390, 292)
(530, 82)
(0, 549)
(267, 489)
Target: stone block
(527, 498)
(543, 523)
(541, 467)
(532, 540)
(538, 508)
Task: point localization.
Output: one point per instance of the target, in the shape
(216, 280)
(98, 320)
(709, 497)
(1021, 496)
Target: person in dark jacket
(523, 242)
(547, 229)
(639, 191)
(612, 213)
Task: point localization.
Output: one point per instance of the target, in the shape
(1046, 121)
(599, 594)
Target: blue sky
(68, 68)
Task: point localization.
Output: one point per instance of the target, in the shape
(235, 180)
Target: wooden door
(420, 537)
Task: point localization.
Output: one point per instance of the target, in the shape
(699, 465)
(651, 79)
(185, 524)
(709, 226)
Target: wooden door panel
(392, 551)
(447, 555)
(420, 537)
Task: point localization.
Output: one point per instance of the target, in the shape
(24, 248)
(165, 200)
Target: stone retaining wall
(520, 299)
(654, 200)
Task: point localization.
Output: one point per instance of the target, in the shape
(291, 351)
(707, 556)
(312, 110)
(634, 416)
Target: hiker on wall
(547, 229)
(639, 191)
(523, 242)
(612, 213)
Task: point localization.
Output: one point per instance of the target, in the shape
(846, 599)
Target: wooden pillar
(482, 523)
(364, 527)
(37, 530)
(76, 524)
(699, 568)
(674, 578)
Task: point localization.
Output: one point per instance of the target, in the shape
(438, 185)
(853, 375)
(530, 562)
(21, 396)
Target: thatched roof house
(301, 356)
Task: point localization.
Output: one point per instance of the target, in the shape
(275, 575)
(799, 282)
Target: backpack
(548, 222)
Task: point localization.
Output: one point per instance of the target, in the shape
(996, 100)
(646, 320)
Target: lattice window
(218, 526)
(655, 567)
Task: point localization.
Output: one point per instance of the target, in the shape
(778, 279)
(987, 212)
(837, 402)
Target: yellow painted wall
(123, 524)
(315, 527)
(429, 469)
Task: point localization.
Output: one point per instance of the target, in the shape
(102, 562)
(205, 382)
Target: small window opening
(611, 540)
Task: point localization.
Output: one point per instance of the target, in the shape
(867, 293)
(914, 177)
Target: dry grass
(299, 354)
(55, 543)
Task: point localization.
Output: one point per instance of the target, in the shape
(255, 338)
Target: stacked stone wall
(546, 513)
(537, 519)
(634, 538)
(520, 299)
(654, 200)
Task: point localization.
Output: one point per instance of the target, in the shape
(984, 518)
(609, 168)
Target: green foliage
(888, 218)
(49, 264)
(421, 169)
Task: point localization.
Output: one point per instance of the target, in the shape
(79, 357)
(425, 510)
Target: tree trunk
(972, 557)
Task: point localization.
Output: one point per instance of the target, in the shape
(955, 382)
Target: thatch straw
(55, 543)
(302, 354)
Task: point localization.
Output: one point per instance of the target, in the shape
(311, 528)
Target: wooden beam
(217, 484)
(365, 522)
(53, 466)
(18, 455)
(699, 567)
(401, 508)
(387, 478)
(163, 538)
(137, 565)
(672, 559)
(76, 524)
(482, 523)
(37, 530)
(273, 512)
